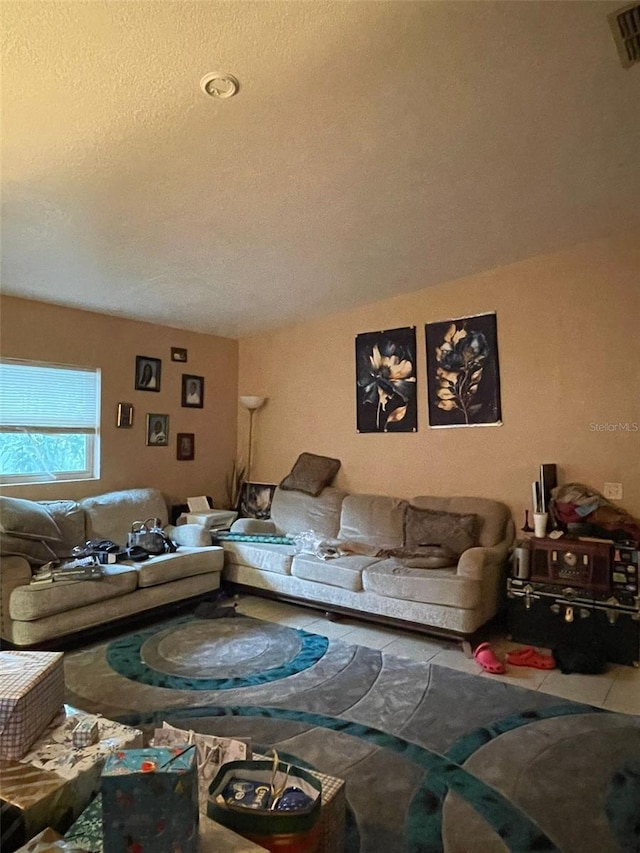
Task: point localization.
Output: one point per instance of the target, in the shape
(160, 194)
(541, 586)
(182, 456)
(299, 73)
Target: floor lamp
(252, 404)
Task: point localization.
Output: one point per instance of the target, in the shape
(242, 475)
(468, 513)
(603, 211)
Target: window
(49, 422)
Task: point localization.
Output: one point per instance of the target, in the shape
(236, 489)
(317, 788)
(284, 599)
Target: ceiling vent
(625, 24)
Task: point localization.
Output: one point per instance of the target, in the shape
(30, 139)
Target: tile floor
(616, 690)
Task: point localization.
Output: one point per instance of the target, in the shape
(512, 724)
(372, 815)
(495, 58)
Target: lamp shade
(252, 402)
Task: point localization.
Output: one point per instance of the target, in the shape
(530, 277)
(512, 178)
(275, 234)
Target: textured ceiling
(374, 148)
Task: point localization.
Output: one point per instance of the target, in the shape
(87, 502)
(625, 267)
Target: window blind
(53, 397)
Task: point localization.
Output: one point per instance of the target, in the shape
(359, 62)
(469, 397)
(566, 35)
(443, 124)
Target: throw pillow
(35, 552)
(28, 520)
(451, 530)
(311, 474)
(423, 557)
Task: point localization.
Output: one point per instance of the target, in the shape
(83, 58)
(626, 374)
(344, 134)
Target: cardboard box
(49, 841)
(31, 799)
(31, 695)
(86, 833)
(55, 780)
(150, 800)
(55, 750)
(85, 733)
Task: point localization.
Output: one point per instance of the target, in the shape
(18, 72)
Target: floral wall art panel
(462, 372)
(386, 381)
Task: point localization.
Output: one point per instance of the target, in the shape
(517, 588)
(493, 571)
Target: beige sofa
(31, 531)
(378, 573)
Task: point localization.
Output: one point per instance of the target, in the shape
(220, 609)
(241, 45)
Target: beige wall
(33, 330)
(569, 346)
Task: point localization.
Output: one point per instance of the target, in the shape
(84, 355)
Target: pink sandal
(485, 656)
(530, 657)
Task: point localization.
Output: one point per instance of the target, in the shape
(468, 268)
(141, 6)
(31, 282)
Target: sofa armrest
(474, 562)
(14, 572)
(189, 535)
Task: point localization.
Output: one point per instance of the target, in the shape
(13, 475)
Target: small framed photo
(147, 373)
(125, 416)
(192, 391)
(255, 500)
(186, 446)
(158, 430)
(179, 354)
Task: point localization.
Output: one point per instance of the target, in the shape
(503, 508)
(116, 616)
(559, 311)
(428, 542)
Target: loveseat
(433, 562)
(32, 533)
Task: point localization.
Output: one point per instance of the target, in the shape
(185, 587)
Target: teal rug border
(423, 827)
(124, 657)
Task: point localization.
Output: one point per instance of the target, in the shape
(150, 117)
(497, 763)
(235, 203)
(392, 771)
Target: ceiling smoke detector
(219, 84)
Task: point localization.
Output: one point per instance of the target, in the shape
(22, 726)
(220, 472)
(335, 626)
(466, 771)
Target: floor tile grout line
(413, 655)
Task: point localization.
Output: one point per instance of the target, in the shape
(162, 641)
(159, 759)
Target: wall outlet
(613, 491)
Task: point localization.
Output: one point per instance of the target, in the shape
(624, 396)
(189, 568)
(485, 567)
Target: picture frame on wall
(179, 354)
(463, 372)
(386, 381)
(157, 430)
(185, 446)
(255, 500)
(192, 391)
(124, 418)
(148, 371)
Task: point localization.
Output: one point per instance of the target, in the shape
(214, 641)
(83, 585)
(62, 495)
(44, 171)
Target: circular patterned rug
(434, 759)
(192, 655)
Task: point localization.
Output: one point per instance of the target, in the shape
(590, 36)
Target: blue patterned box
(150, 801)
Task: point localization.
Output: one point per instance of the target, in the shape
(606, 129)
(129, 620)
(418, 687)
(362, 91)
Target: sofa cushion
(454, 532)
(111, 515)
(345, 572)
(374, 519)
(32, 602)
(311, 474)
(295, 512)
(494, 515)
(267, 558)
(27, 520)
(432, 586)
(183, 563)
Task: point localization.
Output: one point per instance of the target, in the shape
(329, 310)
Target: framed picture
(178, 354)
(186, 446)
(147, 373)
(124, 419)
(463, 374)
(158, 430)
(386, 381)
(255, 500)
(192, 391)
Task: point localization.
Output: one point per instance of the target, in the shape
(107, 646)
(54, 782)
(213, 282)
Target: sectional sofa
(33, 532)
(436, 563)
